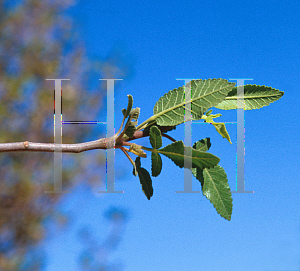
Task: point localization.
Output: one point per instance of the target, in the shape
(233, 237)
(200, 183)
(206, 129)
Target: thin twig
(169, 137)
(129, 158)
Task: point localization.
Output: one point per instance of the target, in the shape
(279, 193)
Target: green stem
(148, 149)
(120, 129)
(129, 158)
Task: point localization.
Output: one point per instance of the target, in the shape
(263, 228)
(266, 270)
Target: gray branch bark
(102, 143)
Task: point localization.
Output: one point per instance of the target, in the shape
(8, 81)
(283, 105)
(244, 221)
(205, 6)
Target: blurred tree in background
(95, 256)
(38, 41)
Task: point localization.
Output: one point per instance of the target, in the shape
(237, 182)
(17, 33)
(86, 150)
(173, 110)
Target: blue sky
(165, 40)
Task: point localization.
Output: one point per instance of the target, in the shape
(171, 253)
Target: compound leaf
(145, 179)
(170, 109)
(175, 152)
(255, 97)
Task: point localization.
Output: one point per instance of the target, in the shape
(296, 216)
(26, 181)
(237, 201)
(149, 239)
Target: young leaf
(155, 137)
(131, 128)
(221, 129)
(145, 179)
(136, 149)
(135, 113)
(129, 106)
(217, 190)
(209, 118)
(208, 112)
(175, 152)
(156, 164)
(169, 110)
(255, 97)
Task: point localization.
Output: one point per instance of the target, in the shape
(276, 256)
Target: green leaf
(208, 112)
(155, 137)
(221, 129)
(165, 129)
(136, 149)
(255, 97)
(130, 130)
(198, 173)
(145, 179)
(129, 106)
(169, 110)
(156, 164)
(134, 115)
(216, 189)
(170, 128)
(175, 152)
(209, 118)
(214, 185)
(202, 145)
(134, 171)
(156, 143)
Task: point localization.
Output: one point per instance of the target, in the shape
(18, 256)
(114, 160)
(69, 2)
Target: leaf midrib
(252, 97)
(182, 155)
(183, 103)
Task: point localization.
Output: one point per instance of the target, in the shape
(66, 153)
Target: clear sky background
(166, 40)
